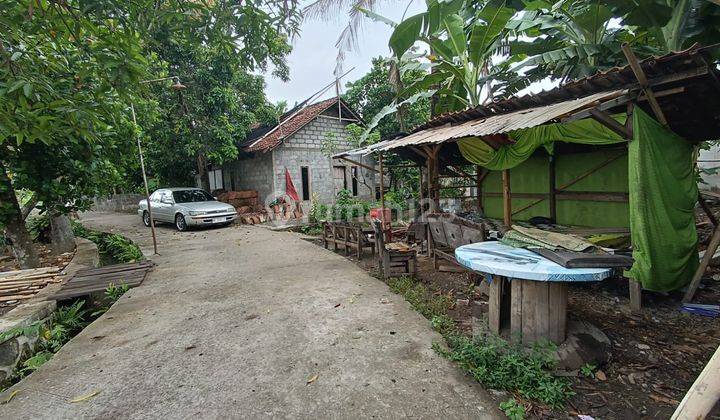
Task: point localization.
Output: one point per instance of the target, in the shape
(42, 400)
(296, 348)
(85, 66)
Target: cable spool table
(528, 292)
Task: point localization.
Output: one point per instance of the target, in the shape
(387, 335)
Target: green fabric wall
(532, 177)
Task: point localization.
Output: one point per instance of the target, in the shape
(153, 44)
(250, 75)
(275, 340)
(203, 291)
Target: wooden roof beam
(640, 76)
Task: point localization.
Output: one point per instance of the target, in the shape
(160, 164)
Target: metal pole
(147, 191)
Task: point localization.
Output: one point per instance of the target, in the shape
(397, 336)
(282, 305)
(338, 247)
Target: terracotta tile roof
(274, 136)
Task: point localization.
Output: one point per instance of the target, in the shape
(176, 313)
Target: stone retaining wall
(14, 351)
(118, 203)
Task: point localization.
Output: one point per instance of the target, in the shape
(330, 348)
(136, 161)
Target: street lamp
(175, 86)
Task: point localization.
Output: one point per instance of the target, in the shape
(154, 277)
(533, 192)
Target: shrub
(117, 247)
(498, 365)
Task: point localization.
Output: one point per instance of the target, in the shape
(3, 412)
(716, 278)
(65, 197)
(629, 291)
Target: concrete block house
(296, 143)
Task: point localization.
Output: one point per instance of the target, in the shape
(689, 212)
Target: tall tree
(64, 72)
(204, 122)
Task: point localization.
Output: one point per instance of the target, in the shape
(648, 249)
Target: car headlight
(195, 213)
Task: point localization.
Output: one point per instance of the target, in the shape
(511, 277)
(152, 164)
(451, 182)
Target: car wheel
(146, 218)
(180, 222)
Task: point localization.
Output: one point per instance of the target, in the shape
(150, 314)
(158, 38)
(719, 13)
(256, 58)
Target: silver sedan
(186, 207)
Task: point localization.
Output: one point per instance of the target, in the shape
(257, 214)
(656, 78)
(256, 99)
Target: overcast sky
(314, 54)
(313, 58)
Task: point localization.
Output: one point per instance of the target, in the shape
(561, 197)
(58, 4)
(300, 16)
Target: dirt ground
(656, 355)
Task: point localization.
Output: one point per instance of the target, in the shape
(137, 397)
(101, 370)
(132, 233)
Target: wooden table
(528, 293)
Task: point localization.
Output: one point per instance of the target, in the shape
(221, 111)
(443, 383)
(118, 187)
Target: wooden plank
(703, 394)
(495, 304)
(109, 276)
(528, 311)
(615, 197)
(542, 310)
(28, 272)
(557, 311)
(605, 119)
(516, 288)
(707, 210)
(640, 75)
(14, 297)
(704, 263)
(453, 234)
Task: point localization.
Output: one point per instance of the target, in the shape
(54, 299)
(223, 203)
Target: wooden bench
(395, 259)
(347, 235)
(448, 232)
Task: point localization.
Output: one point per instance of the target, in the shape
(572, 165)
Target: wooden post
(709, 252)
(635, 295)
(640, 76)
(551, 189)
(478, 187)
(507, 203)
(433, 169)
(495, 304)
(422, 194)
(382, 191)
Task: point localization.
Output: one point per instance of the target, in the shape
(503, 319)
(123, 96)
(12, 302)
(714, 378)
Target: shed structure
(611, 152)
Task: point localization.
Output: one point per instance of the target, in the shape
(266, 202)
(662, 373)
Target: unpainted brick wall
(251, 174)
(304, 149)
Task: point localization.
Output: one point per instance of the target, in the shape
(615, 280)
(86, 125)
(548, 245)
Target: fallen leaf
(600, 375)
(190, 347)
(14, 393)
(311, 380)
(84, 397)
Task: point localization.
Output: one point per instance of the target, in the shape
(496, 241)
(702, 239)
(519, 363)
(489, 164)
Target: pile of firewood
(23, 284)
(247, 204)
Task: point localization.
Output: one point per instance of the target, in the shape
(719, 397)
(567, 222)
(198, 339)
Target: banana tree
(463, 40)
(463, 43)
(571, 39)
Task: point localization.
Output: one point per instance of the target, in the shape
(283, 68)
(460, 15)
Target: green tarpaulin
(661, 185)
(663, 193)
(527, 140)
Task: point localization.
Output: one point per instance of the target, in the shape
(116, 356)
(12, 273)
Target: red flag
(290, 190)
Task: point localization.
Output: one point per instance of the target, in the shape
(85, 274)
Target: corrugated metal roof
(614, 78)
(496, 124)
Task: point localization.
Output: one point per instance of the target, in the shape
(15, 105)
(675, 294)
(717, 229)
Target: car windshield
(191, 196)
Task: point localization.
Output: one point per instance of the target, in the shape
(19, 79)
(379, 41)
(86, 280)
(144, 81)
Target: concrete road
(235, 322)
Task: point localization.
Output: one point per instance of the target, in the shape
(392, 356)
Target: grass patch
(117, 247)
(490, 360)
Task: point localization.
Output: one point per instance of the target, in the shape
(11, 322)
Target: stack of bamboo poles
(23, 284)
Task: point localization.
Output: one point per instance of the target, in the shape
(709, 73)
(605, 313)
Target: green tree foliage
(203, 123)
(70, 69)
(374, 91)
(572, 39)
(66, 68)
